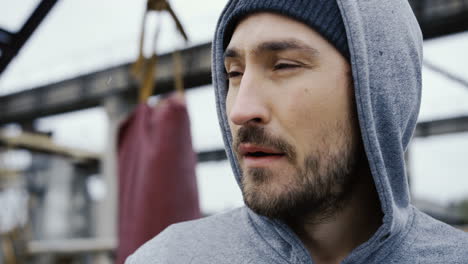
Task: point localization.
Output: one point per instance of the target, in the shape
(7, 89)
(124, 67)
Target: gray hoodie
(385, 45)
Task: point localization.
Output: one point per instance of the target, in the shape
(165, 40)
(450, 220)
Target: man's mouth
(259, 156)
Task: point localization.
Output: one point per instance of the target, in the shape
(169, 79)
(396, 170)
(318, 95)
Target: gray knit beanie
(322, 15)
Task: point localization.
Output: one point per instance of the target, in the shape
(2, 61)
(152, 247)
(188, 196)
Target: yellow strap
(144, 70)
(177, 22)
(148, 86)
(149, 72)
(138, 67)
(178, 71)
(163, 5)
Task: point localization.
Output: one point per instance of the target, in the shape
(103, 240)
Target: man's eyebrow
(274, 46)
(284, 45)
(231, 53)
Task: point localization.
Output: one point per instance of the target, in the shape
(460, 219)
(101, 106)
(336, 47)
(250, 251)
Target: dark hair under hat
(324, 16)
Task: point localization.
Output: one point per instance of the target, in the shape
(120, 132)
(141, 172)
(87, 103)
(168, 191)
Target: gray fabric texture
(385, 46)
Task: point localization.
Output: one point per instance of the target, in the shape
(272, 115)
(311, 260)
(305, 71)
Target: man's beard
(321, 184)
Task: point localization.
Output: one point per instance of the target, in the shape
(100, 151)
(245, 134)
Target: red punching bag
(157, 183)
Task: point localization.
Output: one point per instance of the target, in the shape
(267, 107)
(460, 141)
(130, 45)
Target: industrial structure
(116, 91)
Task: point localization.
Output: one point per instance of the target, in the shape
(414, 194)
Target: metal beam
(442, 127)
(89, 90)
(213, 155)
(6, 38)
(71, 246)
(440, 18)
(11, 43)
(44, 144)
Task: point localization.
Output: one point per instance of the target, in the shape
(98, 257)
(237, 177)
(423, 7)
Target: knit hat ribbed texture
(323, 16)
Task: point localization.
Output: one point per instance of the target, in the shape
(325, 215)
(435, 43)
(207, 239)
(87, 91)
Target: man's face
(291, 112)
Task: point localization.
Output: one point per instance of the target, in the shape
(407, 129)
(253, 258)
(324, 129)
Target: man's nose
(251, 102)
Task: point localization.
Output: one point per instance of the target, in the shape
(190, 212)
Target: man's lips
(248, 149)
(255, 156)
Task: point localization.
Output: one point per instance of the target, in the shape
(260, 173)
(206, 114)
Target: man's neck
(331, 240)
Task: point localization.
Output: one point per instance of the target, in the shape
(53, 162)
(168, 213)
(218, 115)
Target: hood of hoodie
(385, 45)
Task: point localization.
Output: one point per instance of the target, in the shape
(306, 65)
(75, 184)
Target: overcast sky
(84, 36)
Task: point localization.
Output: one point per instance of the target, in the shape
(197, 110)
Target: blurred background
(65, 87)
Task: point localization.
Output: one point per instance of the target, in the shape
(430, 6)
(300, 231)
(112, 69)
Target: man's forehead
(262, 32)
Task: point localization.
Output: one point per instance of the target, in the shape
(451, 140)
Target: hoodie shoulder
(432, 241)
(208, 238)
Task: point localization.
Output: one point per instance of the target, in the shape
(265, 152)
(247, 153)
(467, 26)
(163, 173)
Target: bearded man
(317, 102)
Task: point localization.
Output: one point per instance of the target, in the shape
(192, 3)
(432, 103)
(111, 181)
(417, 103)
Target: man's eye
(282, 66)
(233, 74)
